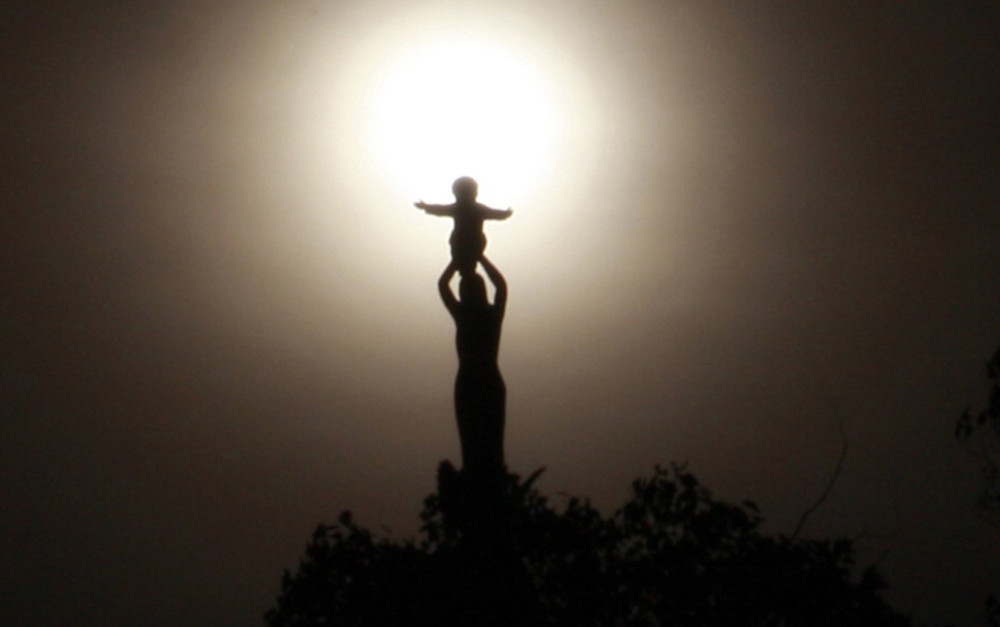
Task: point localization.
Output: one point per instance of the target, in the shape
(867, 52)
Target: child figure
(467, 239)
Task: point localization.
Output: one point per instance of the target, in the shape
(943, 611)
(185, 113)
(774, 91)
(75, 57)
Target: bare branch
(833, 478)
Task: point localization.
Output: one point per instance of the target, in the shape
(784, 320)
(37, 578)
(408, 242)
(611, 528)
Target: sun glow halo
(462, 107)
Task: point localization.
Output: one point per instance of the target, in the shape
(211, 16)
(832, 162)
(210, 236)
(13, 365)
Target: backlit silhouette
(495, 553)
(480, 393)
(672, 554)
(467, 239)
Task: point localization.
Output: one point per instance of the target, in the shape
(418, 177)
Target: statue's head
(465, 189)
(472, 289)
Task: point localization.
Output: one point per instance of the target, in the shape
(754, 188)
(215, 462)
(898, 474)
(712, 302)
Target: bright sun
(463, 106)
(426, 97)
(439, 94)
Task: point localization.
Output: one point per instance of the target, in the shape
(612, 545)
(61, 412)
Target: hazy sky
(742, 224)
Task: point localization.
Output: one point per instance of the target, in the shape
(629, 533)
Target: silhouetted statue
(496, 554)
(467, 239)
(480, 393)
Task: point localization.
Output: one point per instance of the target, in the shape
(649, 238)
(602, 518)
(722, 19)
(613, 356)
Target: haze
(744, 225)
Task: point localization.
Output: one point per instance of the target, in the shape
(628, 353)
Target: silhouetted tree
(980, 433)
(673, 555)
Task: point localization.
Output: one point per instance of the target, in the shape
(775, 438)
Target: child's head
(465, 189)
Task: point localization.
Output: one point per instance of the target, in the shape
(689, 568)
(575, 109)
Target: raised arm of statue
(499, 283)
(447, 296)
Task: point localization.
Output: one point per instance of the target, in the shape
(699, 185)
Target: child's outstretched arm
(435, 210)
(495, 214)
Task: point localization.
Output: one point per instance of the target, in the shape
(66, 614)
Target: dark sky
(219, 330)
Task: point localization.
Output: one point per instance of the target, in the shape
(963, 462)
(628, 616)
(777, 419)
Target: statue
(467, 239)
(480, 393)
(476, 499)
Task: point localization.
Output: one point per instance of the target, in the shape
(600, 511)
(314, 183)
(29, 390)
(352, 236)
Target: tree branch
(833, 479)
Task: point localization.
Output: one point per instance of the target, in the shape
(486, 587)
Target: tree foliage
(673, 555)
(980, 433)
